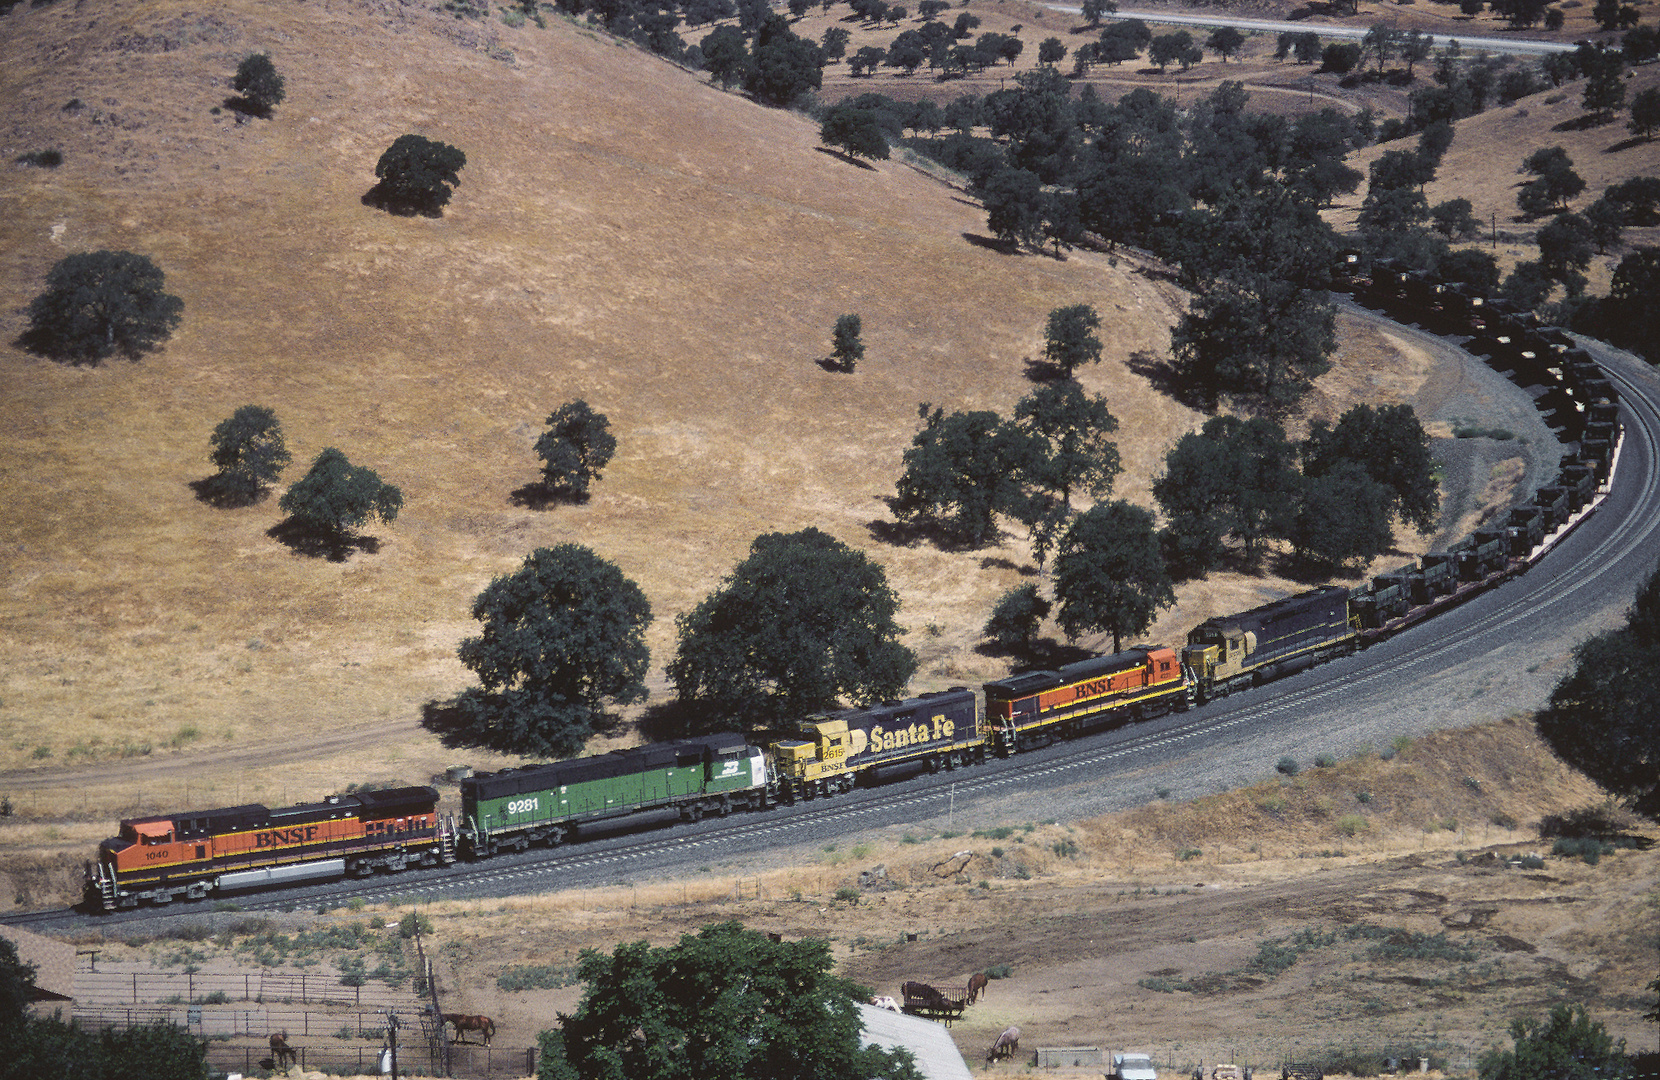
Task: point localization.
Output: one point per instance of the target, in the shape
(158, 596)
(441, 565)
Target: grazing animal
(976, 986)
(887, 1003)
(281, 1051)
(1008, 1041)
(485, 1026)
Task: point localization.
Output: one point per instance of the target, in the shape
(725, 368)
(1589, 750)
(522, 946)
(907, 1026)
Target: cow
(281, 1051)
(976, 986)
(887, 1003)
(1008, 1041)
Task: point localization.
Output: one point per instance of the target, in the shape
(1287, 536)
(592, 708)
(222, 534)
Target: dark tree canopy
(63, 1050)
(1233, 478)
(726, 55)
(417, 175)
(1109, 573)
(563, 639)
(1255, 334)
(1568, 1046)
(249, 450)
(847, 346)
(801, 624)
(1390, 444)
(1069, 339)
(335, 496)
(575, 449)
(1070, 429)
(726, 1003)
(1604, 716)
(1014, 622)
(100, 303)
(960, 472)
(259, 85)
(1342, 516)
(855, 131)
(784, 67)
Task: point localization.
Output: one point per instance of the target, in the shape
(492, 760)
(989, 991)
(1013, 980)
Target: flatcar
(546, 804)
(1037, 707)
(159, 859)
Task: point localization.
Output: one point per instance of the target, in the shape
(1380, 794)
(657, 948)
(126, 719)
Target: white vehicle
(1132, 1067)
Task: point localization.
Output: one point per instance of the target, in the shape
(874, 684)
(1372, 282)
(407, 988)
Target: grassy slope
(675, 255)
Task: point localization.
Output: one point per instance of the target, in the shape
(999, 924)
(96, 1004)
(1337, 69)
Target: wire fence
(103, 988)
(415, 1059)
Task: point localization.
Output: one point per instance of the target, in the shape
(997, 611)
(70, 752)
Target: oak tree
(575, 449)
(562, 641)
(1015, 620)
(417, 175)
(1392, 447)
(962, 470)
(335, 497)
(847, 346)
(100, 303)
(726, 1002)
(1109, 573)
(804, 622)
(259, 85)
(249, 450)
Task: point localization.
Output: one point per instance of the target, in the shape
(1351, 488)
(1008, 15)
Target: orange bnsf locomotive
(1036, 708)
(159, 859)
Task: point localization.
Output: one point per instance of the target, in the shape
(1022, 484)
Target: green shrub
(536, 977)
(1188, 854)
(999, 971)
(1287, 765)
(849, 894)
(1001, 832)
(1350, 824)
(1324, 761)
(1065, 847)
(1583, 847)
(413, 924)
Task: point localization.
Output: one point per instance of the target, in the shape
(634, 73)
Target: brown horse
(976, 986)
(281, 1051)
(485, 1026)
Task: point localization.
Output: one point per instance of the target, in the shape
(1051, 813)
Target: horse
(976, 986)
(1008, 1041)
(485, 1026)
(887, 1003)
(281, 1051)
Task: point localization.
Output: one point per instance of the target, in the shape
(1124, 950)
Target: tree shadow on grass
(1041, 654)
(539, 496)
(673, 719)
(378, 198)
(1042, 371)
(304, 539)
(844, 156)
(898, 533)
(1626, 144)
(214, 491)
(1583, 122)
(991, 243)
(247, 107)
(997, 562)
(834, 366)
(1162, 375)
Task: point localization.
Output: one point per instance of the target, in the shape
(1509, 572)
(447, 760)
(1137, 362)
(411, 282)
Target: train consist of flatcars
(192, 855)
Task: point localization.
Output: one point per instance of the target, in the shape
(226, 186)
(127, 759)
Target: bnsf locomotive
(160, 859)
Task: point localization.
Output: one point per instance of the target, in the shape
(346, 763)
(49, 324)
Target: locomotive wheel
(694, 812)
(934, 764)
(725, 806)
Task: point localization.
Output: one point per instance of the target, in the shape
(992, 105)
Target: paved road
(1517, 45)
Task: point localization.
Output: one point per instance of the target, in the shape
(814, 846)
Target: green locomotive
(545, 804)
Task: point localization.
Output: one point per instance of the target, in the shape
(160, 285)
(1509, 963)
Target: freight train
(189, 856)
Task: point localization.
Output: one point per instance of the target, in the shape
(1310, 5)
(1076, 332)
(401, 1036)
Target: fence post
(135, 986)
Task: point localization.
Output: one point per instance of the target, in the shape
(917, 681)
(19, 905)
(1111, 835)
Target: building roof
(937, 1057)
(54, 962)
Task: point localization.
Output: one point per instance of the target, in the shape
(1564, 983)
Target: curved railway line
(1589, 572)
